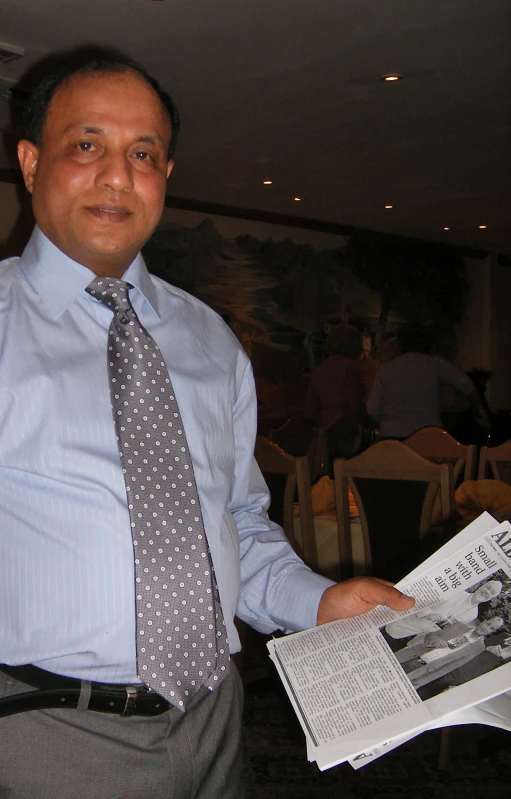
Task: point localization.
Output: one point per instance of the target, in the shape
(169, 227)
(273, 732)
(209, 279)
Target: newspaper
(494, 712)
(371, 682)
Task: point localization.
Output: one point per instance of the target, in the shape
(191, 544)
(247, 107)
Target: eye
(85, 146)
(142, 155)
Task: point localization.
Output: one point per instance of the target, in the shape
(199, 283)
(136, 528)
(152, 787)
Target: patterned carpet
(479, 763)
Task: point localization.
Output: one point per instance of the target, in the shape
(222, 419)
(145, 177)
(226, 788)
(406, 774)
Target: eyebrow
(94, 129)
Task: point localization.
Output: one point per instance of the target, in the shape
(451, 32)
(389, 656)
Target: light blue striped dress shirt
(66, 559)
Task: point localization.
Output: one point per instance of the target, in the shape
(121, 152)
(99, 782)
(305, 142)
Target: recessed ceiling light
(391, 77)
(267, 182)
(446, 227)
(388, 207)
(297, 199)
(483, 227)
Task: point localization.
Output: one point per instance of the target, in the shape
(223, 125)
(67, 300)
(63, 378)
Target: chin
(109, 245)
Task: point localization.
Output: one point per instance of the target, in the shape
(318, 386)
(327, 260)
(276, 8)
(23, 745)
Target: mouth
(109, 213)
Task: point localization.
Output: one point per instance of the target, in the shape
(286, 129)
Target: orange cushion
(475, 496)
(323, 498)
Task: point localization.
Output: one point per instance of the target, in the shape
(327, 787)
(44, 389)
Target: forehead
(123, 98)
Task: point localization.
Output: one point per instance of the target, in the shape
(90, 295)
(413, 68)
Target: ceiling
(291, 90)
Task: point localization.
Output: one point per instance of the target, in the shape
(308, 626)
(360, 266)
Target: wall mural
(280, 297)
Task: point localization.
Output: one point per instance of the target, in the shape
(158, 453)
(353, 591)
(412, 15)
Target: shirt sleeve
(454, 377)
(277, 589)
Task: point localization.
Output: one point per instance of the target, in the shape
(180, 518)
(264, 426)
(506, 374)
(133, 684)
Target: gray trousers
(73, 754)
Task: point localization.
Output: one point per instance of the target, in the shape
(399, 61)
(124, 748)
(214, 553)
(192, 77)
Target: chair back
(395, 489)
(298, 436)
(342, 438)
(495, 462)
(288, 478)
(438, 446)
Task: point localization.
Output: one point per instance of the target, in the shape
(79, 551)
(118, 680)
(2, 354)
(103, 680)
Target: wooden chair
(298, 436)
(394, 488)
(288, 478)
(495, 462)
(438, 446)
(342, 438)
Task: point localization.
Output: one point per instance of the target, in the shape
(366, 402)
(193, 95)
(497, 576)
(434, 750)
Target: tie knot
(111, 292)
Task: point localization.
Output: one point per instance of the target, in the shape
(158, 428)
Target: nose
(115, 172)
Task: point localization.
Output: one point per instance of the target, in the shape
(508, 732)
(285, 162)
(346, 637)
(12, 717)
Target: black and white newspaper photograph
(457, 639)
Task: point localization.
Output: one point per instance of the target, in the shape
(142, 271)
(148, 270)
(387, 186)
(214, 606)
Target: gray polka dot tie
(181, 638)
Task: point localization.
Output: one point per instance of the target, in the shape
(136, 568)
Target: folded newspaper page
(373, 681)
(494, 712)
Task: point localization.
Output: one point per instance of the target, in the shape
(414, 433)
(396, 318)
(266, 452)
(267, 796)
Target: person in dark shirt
(336, 387)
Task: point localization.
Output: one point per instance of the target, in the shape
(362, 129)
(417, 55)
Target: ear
(28, 156)
(170, 167)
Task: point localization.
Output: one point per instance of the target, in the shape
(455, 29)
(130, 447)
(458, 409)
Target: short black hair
(415, 338)
(86, 63)
(344, 340)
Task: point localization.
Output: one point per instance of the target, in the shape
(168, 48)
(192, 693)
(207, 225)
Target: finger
(383, 582)
(388, 584)
(379, 592)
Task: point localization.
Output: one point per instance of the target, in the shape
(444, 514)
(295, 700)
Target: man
(464, 606)
(405, 394)
(497, 651)
(335, 387)
(428, 657)
(80, 561)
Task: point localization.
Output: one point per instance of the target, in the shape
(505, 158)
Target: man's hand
(434, 617)
(432, 641)
(359, 595)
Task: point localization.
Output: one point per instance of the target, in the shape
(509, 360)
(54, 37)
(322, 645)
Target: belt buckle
(131, 701)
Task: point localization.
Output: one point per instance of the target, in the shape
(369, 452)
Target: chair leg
(445, 740)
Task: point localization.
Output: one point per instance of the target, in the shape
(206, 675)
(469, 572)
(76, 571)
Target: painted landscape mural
(280, 297)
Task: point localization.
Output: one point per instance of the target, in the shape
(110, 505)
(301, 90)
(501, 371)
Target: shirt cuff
(298, 599)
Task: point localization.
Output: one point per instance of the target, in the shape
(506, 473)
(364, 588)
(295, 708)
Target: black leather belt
(56, 691)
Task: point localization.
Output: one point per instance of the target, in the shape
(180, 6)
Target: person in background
(336, 388)
(103, 616)
(389, 349)
(405, 393)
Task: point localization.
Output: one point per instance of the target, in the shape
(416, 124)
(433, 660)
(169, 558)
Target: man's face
(488, 591)
(489, 625)
(98, 177)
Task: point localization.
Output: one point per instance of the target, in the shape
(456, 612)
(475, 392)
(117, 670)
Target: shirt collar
(60, 281)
